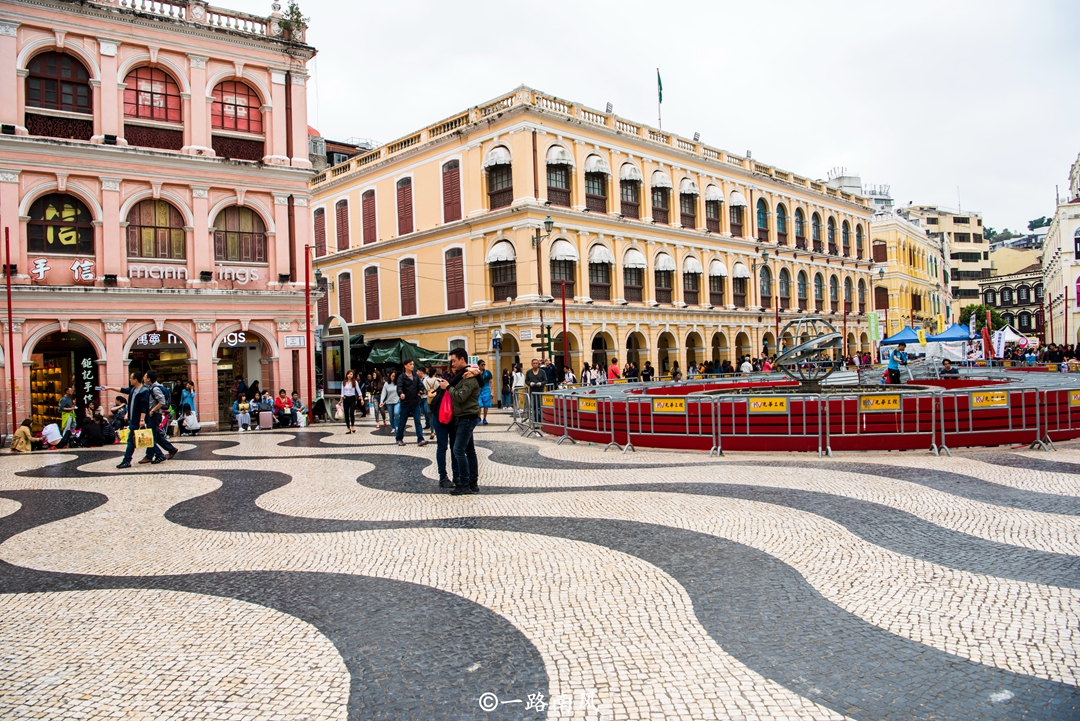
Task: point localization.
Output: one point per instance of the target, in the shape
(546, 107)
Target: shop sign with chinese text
(767, 404)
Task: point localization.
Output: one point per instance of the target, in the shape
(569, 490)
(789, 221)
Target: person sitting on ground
(188, 422)
(23, 441)
(91, 434)
(119, 413)
(240, 412)
(948, 370)
(283, 409)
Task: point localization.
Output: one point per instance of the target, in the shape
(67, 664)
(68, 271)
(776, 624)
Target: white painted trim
(140, 195)
(251, 204)
(247, 78)
(140, 59)
(75, 189)
(31, 342)
(267, 339)
(31, 49)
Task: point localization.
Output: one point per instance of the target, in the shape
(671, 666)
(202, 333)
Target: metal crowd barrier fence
(1060, 416)
(883, 414)
(990, 416)
(743, 417)
(667, 416)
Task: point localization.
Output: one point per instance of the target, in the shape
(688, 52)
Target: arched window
(371, 292)
(834, 293)
(781, 224)
(156, 230)
(688, 196)
(881, 251)
(407, 282)
(1038, 292)
(451, 191)
(369, 228)
(802, 290)
(832, 236)
(404, 206)
(845, 239)
(858, 242)
(800, 229)
(762, 219)
(815, 232)
(344, 288)
(58, 81)
(341, 224)
(785, 289)
(990, 298)
(236, 107)
(499, 177)
(819, 292)
(633, 275)
(765, 286)
(661, 193)
(1023, 294)
(630, 191)
(1008, 318)
(60, 224)
(1024, 322)
(559, 163)
(152, 94)
(849, 291)
(454, 268)
(596, 179)
(862, 296)
(601, 260)
(239, 236)
(1006, 296)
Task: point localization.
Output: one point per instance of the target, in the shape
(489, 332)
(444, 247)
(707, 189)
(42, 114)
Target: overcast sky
(923, 96)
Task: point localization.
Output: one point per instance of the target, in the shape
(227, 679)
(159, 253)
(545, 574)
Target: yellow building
(659, 241)
(911, 282)
(961, 236)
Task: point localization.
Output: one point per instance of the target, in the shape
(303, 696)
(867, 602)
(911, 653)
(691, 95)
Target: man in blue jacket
(138, 411)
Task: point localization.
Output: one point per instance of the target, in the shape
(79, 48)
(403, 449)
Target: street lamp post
(308, 334)
(754, 271)
(538, 239)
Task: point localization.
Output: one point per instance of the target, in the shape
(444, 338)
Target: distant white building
(1061, 265)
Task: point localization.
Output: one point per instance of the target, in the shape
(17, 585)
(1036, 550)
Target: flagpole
(659, 101)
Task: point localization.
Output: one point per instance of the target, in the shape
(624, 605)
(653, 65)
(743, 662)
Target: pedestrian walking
(138, 409)
(159, 418)
(464, 394)
(431, 408)
(535, 381)
(897, 358)
(443, 432)
(350, 394)
(505, 387)
(388, 400)
(485, 379)
(410, 390)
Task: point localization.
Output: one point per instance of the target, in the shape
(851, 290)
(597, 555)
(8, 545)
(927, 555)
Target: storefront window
(60, 360)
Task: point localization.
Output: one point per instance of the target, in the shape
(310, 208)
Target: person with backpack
(158, 418)
(464, 389)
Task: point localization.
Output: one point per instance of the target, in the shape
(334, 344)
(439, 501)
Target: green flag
(659, 87)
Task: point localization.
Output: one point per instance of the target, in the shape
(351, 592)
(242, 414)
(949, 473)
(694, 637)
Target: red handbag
(446, 408)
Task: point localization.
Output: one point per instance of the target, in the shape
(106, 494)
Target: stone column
(111, 251)
(279, 249)
(299, 119)
(275, 129)
(109, 107)
(10, 192)
(199, 115)
(205, 375)
(203, 244)
(115, 373)
(10, 80)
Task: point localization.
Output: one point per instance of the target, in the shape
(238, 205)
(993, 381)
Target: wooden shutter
(341, 221)
(881, 298)
(367, 210)
(320, 233)
(323, 305)
(371, 293)
(455, 280)
(451, 189)
(404, 206)
(344, 290)
(407, 279)
(881, 253)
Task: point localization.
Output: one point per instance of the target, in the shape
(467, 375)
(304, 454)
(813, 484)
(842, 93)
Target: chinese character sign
(40, 269)
(83, 270)
(85, 380)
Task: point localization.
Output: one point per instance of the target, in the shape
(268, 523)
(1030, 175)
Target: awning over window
(717, 269)
(558, 155)
(660, 179)
(737, 199)
(687, 187)
(630, 172)
(601, 255)
(596, 164)
(691, 264)
(501, 252)
(634, 259)
(740, 271)
(665, 262)
(563, 250)
(497, 156)
(713, 193)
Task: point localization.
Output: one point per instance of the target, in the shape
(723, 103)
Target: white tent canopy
(660, 179)
(740, 271)
(498, 155)
(630, 172)
(713, 193)
(665, 262)
(738, 199)
(601, 255)
(501, 252)
(558, 155)
(691, 264)
(596, 164)
(717, 269)
(634, 259)
(563, 250)
(688, 187)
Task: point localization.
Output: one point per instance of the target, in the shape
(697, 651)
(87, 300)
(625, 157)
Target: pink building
(154, 176)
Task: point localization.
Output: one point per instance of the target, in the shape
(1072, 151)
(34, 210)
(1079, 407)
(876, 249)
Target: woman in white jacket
(389, 400)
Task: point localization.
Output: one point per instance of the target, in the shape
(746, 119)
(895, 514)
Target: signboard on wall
(295, 341)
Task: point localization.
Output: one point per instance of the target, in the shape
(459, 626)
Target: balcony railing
(632, 293)
(781, 238)
(847, 306)
(600, 291)
(690, 297)
(763, 234)
(739, 299)
(862, 307)
(712, 225)
(660, 215)
(596, 203)
(819, 247)
(766, 301)
(800, 242)
(832, 249)
(835, 305)
(803, 303)
(501, 198)
(688, 220)
(501, 291)
(559, 196)
(663, 295)
(736, 230)
(716, 299)
(630, 209)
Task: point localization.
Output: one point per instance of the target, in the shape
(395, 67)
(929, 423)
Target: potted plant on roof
(292, 23)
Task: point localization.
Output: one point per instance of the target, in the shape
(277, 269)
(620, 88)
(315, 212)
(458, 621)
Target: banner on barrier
(990, 399)
(870, 404)
(619, 380)
(586, 405)
(767, 404)
(1052, 367)
(547, 401)
(1074, 398)
(669, 405)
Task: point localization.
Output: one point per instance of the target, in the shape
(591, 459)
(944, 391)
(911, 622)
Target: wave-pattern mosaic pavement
(314, 574)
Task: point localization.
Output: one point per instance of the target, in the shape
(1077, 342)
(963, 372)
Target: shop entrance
(60, 360)
(165, 353)
(239, 356)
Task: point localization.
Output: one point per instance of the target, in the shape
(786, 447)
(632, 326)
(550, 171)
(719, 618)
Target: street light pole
(11, 330)
(307, 326)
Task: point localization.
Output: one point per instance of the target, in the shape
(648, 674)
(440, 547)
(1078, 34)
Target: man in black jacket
(138, 410)
(410, 390)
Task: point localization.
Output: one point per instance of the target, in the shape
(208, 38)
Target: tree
(1042, 222)
(996, 321)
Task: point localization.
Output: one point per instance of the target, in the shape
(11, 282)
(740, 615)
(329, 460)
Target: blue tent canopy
(905, 336)
(955, 332)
